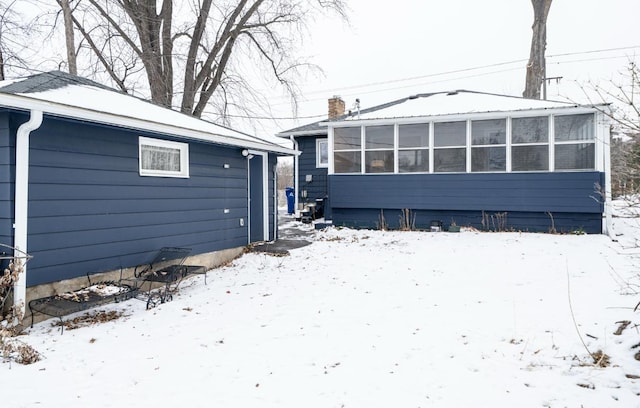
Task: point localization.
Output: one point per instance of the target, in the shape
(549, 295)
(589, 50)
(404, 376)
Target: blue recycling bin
(291, 199)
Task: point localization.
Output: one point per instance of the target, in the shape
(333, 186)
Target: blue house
(96, 180)
(493, 162)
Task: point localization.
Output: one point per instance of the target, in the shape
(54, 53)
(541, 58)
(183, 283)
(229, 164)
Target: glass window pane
(530, 158)
(484, 132)
(530, 130)
(346, 162)
(346, 138)
(323, 153)
(574, 127)
(488, 159)
(160, 158)
(378, 137)
(379, 161)
(415, 135)
(450, 160)
(575, 156)
(450, 134)
(413, 161)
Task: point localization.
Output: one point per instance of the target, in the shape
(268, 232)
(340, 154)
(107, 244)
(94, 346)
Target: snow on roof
(61, 94)
(427, 105)
(452, 103)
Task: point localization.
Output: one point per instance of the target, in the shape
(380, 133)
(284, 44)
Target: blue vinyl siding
(317, 188)
(89, 209)
(526, 198)
(513, 220)
(7, 152)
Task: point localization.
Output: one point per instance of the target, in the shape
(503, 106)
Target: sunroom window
(574, 142)
(530, 144)
(450, 152)
(379, 157)
(163, 158)
(413, 148)
(347, 142)
(489, 148)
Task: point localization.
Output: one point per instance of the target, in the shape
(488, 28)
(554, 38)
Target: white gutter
(371, 120)
(296, 193)
(75, 112)
(21, 202)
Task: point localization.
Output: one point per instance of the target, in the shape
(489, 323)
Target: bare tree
(199, 52)
(620, 101)
(13, 29)
(536, 67)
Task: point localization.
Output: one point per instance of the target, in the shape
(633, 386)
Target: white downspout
(275, 200)
(21, 202)
(295, 176)
(608, 222)
(248, 196)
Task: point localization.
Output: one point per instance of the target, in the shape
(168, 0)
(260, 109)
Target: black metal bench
(88, 297)
(158, 280)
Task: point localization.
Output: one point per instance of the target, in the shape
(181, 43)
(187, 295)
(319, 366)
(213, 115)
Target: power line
(457, 71)
(439, 81)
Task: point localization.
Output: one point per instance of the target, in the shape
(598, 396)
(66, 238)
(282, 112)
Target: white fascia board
(303, 133)
(569, 110)
(68, 111)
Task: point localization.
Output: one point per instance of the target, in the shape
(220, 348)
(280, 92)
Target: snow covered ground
(366, 319)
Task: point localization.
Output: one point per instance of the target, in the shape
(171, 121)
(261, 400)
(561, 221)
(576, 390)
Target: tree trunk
(1, 65)
(156, 44)
(69, 38)
(536, 67)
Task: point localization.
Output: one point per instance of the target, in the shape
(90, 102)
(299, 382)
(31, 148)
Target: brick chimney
(336, 107)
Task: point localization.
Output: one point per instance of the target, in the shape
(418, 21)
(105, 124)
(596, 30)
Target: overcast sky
(412, 46)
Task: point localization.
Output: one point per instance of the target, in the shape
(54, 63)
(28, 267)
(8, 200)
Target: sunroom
(543, 166)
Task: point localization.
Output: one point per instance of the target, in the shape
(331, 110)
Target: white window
(450, 147)
(378, 155)
(574, 142)
(530, 144)
(322, 153)
(163, 158)
(413, 148)
(489, 145)
(347, 148)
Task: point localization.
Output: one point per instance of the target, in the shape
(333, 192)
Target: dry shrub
(600, 359)
(11, 348)
(89, 319)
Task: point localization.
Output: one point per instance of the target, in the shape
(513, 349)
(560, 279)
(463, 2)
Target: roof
(60, 94)
(435, 104)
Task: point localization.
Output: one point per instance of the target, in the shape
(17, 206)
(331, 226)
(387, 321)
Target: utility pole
(544, 83)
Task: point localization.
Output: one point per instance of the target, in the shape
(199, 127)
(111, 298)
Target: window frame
(376, 151)
(423, 149)
(476, 148)
(183, 149)
(539, 140)
(546, 145)
(319, 163)
(452, 147)
(574, 142)
(357, 152)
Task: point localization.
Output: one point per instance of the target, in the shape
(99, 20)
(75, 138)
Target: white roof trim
(574, 109)
(20, 101)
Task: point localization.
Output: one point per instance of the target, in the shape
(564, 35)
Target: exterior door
(256, 198)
